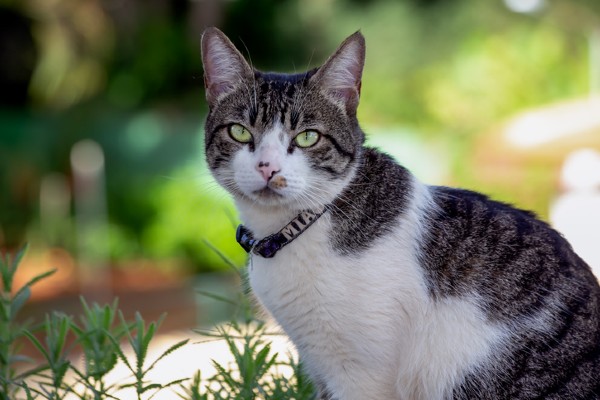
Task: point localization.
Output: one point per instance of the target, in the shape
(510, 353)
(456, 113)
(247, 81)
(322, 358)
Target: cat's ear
(340, 76)
(224, 66)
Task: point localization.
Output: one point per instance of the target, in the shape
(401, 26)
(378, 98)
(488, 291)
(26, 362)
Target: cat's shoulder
(395, 182)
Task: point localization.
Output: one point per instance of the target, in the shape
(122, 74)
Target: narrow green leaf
(38, 345)
(4, 312)
(167, 352)
(20, 358)
(86, 309)
(217, 297)
(109, 315)
(36, 279)
(9, 267)
(117, 348)
(127, 329)
(19, 301)
(59, 327)
(175, 382)
(232, 347)
(225, 375)
(114, 307)
(76, 329)
(148, 337)
(166, 385)
(262, 363)
(7, 277)
(261, 356)
(128, 385)
(19, 256)
(150, 387)
(59, 373)
(31, 372)
(223, 257)
(28, 392)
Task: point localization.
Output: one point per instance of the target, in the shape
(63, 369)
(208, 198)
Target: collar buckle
(245, 238)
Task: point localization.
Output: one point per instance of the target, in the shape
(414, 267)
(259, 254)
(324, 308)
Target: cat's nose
(267, 169)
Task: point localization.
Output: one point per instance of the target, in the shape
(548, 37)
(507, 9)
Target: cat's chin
(268, 198)
(267, 194)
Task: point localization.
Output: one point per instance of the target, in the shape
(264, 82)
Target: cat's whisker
(312, 201)
(347, 202)
(315, 187)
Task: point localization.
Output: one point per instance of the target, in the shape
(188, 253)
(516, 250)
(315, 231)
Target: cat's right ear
(224, 67)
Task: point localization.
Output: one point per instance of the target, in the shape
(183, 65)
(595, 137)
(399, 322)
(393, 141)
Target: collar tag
(270, 245)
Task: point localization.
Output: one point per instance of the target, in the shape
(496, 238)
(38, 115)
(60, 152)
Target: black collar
(270, 245)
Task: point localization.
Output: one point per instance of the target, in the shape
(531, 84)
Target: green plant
(193, 390)
(256, 372)
(97, 335)
(140, 343)
(11, 331)
(252, 360)
(56, 329)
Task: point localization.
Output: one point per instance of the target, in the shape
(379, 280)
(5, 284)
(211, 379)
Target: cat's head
(282, 139)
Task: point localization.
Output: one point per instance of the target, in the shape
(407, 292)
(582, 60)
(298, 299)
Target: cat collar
(270, 245)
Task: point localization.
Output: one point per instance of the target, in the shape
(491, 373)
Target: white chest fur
(365, 325)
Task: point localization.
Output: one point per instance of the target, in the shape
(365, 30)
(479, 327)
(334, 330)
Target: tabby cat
(389, 288)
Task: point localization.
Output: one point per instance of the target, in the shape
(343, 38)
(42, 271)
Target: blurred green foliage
(129, 76)
(191, 218)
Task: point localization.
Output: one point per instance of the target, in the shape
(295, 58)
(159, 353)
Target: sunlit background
(102, 109)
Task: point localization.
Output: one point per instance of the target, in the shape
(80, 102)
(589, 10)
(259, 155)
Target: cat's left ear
(340, 76)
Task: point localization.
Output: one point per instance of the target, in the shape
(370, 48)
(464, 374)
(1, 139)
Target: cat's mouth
(267, 193)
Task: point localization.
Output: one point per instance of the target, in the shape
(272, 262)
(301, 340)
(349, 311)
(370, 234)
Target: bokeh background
(102, 109)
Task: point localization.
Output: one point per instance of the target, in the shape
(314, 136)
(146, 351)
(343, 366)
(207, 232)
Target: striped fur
(401, 290)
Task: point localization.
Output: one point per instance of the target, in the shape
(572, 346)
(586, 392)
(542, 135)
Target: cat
(389, 288)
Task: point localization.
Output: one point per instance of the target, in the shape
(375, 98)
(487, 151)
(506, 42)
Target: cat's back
(529, 280)
(539, 295)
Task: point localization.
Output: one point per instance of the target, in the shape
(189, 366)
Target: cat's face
(275, 139)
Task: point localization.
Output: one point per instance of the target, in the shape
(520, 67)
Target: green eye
(239, 133)
(307, 138)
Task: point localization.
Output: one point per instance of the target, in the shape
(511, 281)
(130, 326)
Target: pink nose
(267, 169)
